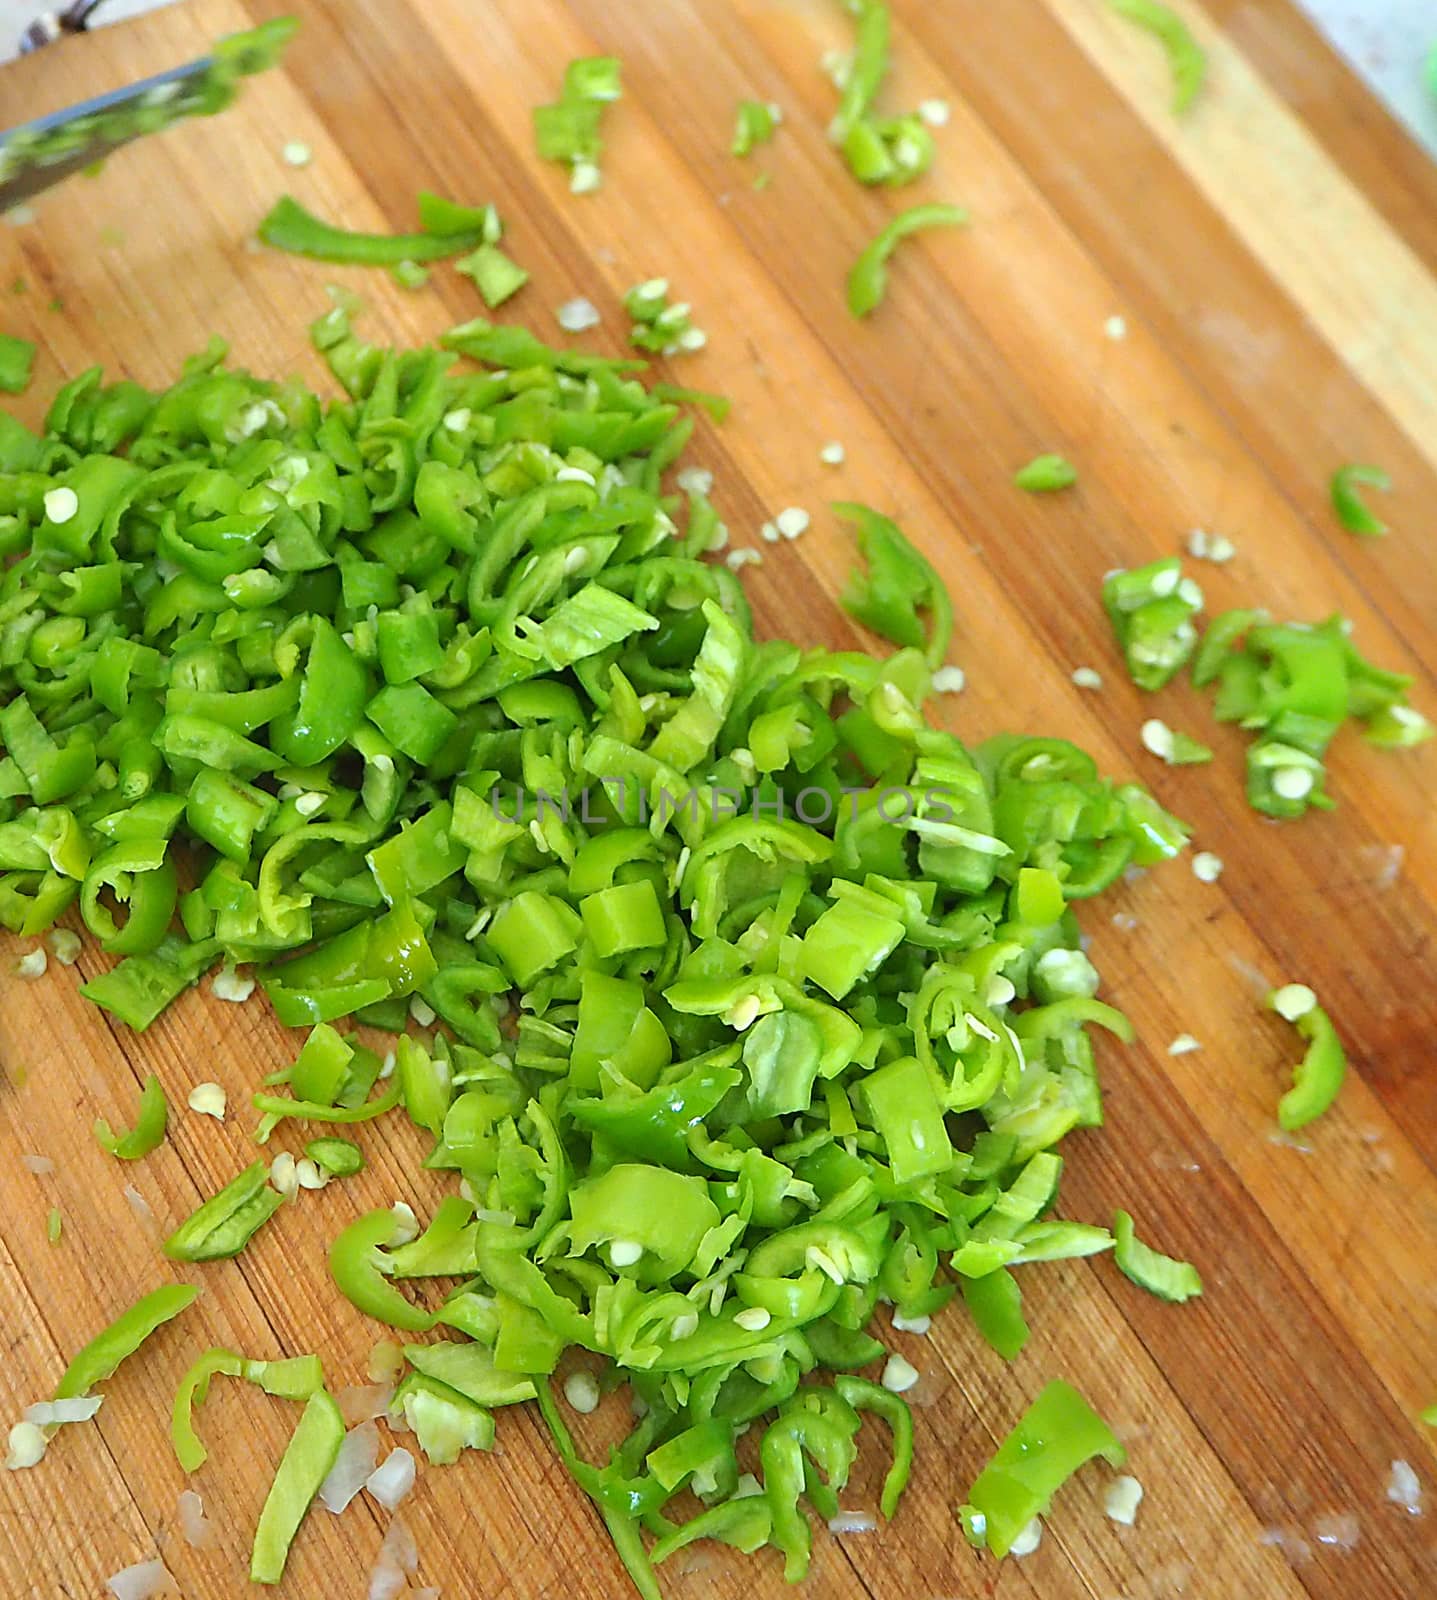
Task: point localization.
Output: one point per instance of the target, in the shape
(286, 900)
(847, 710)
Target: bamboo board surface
(1273, 258)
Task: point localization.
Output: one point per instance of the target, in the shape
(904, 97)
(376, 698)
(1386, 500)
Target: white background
(1386, 40)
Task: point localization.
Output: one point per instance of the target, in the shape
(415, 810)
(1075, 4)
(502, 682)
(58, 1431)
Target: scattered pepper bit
(1187, 60)
(1318, 1077)
(756, 123)
(1352, 513)
(1046, 475)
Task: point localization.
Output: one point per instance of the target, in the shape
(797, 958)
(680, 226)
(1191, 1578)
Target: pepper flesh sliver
(290, 227)
(295, 1379)
(1352, 513)
(1186, 59)
(305, 1465)
(17, 357)
(149, 1130)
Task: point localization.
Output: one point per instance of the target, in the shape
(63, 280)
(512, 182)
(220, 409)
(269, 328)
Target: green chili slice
(868, 278)
(225, 1224)
(291, 228)
(124, 1336)
(294, 1378)
(1347, 502)
(1318, 1077)
(17, 359)
(1046, 475)
(1055, 1436)
(1187, 61)
(148, 1132)
(1160, 1275)
(306, 1463)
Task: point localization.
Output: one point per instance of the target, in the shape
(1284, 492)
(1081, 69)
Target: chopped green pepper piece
(1055, 1436)
(1151, 609)
(568, 130)
(755, 123)
(340, 1158)
(1186, 58)
(1318, 1077)
(868, 278)
(308, 1457)
(225, 1224)
(124, 1336)
(290, 227)
(295, 1378)
(496, 277)
(17, 358)
(1150, 1269)
(358, 1268)
(1347, 502)
(1046, 475)
(899, 580)
(148, 1132)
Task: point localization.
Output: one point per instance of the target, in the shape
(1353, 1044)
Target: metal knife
(37, 154)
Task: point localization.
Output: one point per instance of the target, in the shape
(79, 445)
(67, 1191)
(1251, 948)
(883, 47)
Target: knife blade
(35, 155)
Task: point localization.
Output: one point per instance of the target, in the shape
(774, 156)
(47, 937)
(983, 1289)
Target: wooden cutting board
(1271, 256)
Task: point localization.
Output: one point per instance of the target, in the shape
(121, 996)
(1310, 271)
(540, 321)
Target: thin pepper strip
(1150, 1269)
(306, 1463)
(1187, 61)
(290, 227)
(1347, 502)
(124, 1336)
(17, 358)
(897, 582)
(868, 277)
(358, 1267)
(294, 1378)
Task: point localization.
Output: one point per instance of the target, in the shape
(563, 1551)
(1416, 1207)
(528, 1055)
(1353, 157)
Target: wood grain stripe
(1375, 306)
(1380, 156)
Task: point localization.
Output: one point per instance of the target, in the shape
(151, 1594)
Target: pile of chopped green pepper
(1152, 610)
(1295, 684)
(761, 1000)
(568, 130)
(661, 326)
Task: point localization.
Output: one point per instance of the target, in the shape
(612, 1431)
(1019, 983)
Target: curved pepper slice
(1317, 1078)
(358, 1267)
(98, 1360)
(149, 1129)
